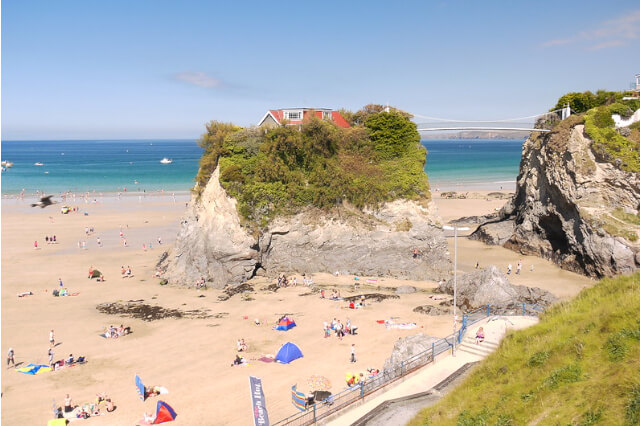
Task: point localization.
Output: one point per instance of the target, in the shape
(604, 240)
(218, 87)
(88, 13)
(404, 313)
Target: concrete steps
(481, 349)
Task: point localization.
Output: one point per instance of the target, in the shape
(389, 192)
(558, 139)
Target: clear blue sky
(161, 69)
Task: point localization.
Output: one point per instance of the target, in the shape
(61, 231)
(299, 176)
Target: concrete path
(429, 376)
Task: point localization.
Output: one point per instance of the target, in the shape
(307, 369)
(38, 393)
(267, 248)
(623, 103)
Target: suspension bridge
(533, 123)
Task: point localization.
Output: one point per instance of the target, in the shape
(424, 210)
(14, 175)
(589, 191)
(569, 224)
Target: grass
(579, 366)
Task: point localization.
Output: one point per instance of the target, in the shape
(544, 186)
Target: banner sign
(258, 402)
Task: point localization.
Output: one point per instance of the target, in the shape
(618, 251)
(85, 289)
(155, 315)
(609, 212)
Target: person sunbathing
(238, 361)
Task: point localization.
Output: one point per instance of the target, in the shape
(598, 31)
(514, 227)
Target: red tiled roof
(337, 118)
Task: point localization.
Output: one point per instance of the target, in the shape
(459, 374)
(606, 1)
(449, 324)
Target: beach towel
(266, 359)
(33, 369)
(401, 326)
(57, 422)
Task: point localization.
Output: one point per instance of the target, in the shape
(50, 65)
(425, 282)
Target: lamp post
(455, 230)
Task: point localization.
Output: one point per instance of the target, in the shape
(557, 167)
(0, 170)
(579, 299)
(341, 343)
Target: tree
(391, 133)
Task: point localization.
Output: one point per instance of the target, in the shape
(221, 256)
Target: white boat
(166, 160)
(7, 164)
(38, 164)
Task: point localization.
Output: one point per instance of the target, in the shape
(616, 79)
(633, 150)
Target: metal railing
(336, 402)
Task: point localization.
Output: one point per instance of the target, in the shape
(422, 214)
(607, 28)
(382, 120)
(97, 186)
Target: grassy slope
(579, 365)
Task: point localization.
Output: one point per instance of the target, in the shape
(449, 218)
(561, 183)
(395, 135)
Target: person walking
(10, 358)
(60, 282)
(50, 353)
(519, 267)
(52, 340)
(35, 245)
(353, 352)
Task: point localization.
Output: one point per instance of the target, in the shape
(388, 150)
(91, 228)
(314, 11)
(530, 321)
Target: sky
(162, 69)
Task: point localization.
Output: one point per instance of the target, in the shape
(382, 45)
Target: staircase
(481, 349)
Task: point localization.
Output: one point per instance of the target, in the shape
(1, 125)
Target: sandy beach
(191, 357)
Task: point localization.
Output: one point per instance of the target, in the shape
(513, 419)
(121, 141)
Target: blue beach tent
(288, 352)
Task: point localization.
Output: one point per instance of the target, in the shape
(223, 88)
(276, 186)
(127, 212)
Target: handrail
(348, 396)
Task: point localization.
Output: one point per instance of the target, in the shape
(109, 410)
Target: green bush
(609, 145)
(567, 374)
(538, 359)
(632, 409)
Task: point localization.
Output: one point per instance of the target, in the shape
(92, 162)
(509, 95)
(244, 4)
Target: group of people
(354, 305)
(85, 410)
(67, 362)
(335, 294)
(94, 273)
(339, 328)
(201, 283)
(518, 268)
(283, 281)
(51, 240)
(114, 333)
(241, 345)
(126, 273)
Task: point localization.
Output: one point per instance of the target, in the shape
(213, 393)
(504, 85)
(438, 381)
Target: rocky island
(310, 198)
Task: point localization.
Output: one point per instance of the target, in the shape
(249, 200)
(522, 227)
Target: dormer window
(293, 115)
(326, 115)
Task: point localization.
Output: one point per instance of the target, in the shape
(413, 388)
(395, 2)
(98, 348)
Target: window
(326, 115)
(293, 115)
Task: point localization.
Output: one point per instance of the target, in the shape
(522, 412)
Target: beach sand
(192, 357)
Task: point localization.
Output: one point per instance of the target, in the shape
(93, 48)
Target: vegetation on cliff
(580, 365)
(617, 146)
(284, 169)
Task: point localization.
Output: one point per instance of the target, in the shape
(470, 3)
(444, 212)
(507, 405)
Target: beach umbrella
(321, 383)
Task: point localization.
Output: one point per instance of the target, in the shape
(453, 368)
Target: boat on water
(166, 160)
(38, 164)
(7, 164)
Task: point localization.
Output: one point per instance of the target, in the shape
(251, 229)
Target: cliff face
(212, 243)
(571, 208)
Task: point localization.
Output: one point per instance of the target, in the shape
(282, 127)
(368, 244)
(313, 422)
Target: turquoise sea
(111, 166)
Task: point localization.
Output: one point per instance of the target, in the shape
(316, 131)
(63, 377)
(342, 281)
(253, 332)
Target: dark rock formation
(213, 243)
(565, 207)
(490, 286)
(432, 310)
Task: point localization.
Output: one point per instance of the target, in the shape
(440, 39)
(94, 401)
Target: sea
(111, 166)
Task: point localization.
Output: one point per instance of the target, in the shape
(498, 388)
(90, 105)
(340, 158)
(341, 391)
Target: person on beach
(60, 282)
(55, 241)
(52, 340)
(50, 354)
(353, 352)
(480, 335)
(46, 239)
(144, 247)
(68, 404)
(159, 241)
(519, 267)
(99, 241)
(509, 268)
(35, 245)
(10, 358)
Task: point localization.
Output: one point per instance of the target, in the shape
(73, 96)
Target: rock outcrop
(213, 243)
(407, 348)
(570, 207)
(490, 286)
